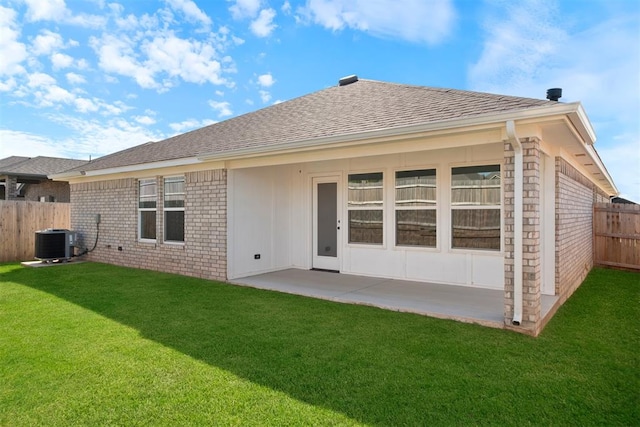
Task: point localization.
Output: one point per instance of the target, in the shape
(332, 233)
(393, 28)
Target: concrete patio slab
(461, 303)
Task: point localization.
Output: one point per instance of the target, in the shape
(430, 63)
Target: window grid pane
(148, 225)
(174, 192)
(416, 228)
(174, 226)
(475, 229)
(476, 186)
(365, 226)
(365, 190)
(416, 188)
(147, 193)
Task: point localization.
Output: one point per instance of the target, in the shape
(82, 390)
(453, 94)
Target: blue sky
(87, 78)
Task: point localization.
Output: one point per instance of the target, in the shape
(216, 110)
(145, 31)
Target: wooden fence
(19, 222)
(616, 235)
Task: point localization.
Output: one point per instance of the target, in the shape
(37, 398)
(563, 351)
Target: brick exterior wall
(203, 253)
(575, 196)
(531, 268)
(59, 191)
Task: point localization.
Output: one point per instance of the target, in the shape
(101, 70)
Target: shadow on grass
(374, 366)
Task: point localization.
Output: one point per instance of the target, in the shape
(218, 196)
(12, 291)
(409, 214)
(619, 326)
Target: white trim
(185, 161)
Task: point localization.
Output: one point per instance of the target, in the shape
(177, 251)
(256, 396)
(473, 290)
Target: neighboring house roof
(7, 162)
(621, 200)
(37, 167)
(362, 106)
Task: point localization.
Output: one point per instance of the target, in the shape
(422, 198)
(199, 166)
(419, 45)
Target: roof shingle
(339, 110)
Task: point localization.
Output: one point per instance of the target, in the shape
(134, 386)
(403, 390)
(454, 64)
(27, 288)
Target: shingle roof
(7, 162)
(37, 166)
(365, 105)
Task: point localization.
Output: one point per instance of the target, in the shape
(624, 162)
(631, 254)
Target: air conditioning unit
(55, 244)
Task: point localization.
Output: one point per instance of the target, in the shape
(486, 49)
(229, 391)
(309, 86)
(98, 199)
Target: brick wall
(59, 190)
(531, 267)
(575, 196)
(203, 253)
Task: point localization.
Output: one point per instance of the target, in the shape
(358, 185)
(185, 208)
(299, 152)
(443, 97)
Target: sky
(82, 79)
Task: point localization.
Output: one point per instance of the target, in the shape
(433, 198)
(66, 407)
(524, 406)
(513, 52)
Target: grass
(93, 344)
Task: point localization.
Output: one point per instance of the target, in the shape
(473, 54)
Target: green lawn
(92, 344)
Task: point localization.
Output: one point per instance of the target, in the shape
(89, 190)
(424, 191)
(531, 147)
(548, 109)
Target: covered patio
(461, 303)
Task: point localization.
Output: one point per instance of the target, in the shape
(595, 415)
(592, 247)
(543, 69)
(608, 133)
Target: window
(416, 208)
(174, 209)
(475, 207)
(147, 209)
(365, 208)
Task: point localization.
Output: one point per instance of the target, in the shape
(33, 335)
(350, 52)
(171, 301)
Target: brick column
(531, 267)
(508, 207)
(11, 188)
(531, 264)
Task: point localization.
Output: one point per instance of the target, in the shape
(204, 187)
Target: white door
(326, 223)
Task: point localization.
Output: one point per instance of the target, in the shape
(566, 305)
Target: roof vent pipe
(554, 94)
(348, 80)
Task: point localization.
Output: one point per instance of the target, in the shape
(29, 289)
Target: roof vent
(348, 80)
(554, 94)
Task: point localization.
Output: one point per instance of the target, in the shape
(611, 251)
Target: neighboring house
(25, 178)
(367, 178)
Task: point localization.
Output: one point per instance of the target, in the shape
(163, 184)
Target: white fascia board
(598, 162)
(583, 125)
(403, 131)
(131, 168)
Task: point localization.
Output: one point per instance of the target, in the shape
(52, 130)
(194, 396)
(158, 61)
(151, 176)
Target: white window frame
(427, 207)
(366, 206)
(476, 206)
(172, 209)
(141, 182)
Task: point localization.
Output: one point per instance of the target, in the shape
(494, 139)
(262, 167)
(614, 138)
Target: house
(26, 178)
(368, 178)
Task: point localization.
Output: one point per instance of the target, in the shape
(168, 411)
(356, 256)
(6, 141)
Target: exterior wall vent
(348, 80)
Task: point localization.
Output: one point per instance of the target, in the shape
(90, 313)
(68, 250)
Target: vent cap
(554, 94)
(348, 80)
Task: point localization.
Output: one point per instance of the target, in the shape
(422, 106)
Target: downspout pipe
(518, 184)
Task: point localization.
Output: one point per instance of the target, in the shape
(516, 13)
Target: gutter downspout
(517, 221)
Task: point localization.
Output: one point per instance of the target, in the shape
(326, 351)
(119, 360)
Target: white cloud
(40, 79)
(8, 85)
(85, 105)
(46, 42)
(518, 45)
(265, 96)
(57, 11)
(60, 60)
(266, 80)
(190, 11)
(144, 120)
(156, 63)
(17, 143)
(117, 55)
(190, 124)
(12, 52)
(245, 8)
(223, 108)
(263, 25)
(416, 21)
(286, 7)
(89, 137)
(76, 79)
(191, 60)
(46, 10)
